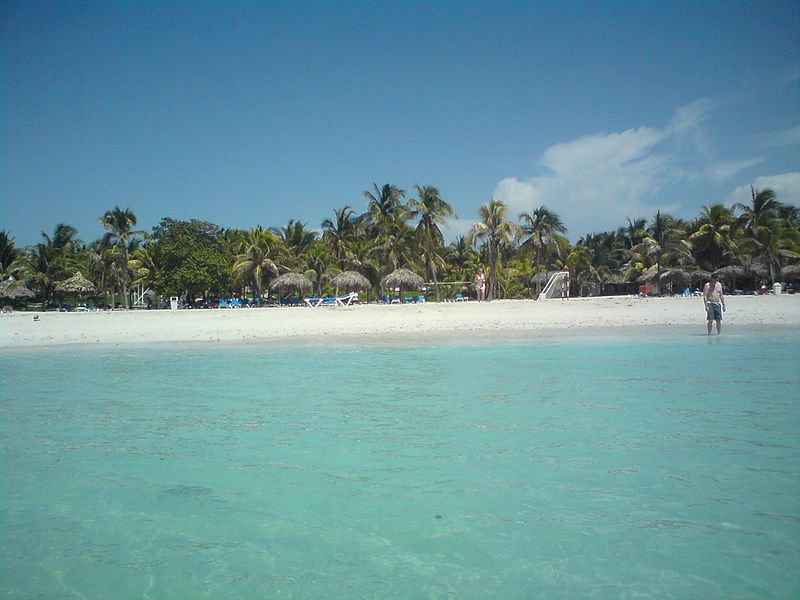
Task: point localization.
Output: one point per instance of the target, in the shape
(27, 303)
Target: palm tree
(713, 241)
(495, 230)
(542, 229)
(338, 233)
(431, 211)
(65, 237)
(8, 254)
(764, 207)
(383, 206)
(119, 224)
(297, 238)
(663, 241)
(44, 266)
(258, 252)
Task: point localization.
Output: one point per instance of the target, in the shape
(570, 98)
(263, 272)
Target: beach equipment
(403, 279)
(791, 272)
(699, 276)
(345, 300)
(554, 285)
(76, 285)
(351, 281)
(14, 290)
(730, 273)
(291, 282)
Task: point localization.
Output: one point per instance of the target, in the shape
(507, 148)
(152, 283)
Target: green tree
(297, 239)
(713, 243)
(431, 211)
(495, 231)
(541, 230)
(192, 258)
(663, 244)
(121, 233)
(339, 232)
(8, 254)
(257, 257)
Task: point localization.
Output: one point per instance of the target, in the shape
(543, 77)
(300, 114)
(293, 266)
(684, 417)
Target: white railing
(139, 294)
(554, 285)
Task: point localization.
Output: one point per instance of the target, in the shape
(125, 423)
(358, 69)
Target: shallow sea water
(557, 466)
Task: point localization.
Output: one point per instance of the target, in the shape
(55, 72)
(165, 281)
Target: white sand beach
(123, 328)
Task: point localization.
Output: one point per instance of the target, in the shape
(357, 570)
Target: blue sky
(255, 113)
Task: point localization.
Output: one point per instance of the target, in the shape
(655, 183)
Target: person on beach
(480, 285)
(714, 302)
(565, 286)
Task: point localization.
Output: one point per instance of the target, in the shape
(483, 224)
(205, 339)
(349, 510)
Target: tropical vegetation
(200, 261)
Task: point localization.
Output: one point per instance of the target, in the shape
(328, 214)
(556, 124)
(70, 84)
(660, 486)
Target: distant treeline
(756, 241)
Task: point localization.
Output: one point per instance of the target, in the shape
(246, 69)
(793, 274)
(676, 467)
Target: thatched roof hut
(699, 276)
(649, 275)
(77, 284)
(403, 279)
(791, 272)
(291, 282)
(731, 272)
(351, 281)
(14, 290)
(674, 275)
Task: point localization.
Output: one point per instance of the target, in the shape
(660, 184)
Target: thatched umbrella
(351, 281)
(293, 282)
(791, 272)
(674, 275)
(730, 273)
(649, 275)
(699, 276)
(14, 290)
(77, 284)
(403, 279)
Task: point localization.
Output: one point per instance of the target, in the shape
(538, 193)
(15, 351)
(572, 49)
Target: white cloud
(596, 181)
(786, 187)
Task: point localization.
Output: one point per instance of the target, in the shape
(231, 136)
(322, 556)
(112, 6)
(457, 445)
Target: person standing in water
(480, 285)
(714, 302)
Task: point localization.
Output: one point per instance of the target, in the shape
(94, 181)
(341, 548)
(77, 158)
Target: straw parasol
(77, 284)
(351, 281)
(13, 290)
(674, 275)
(291, 281)
(791, 272)
(730, 273)
(403, 279)
(699, 276)
(649, 275)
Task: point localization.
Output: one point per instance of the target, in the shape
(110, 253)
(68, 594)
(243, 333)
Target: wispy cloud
(785, 185)
(596, 181)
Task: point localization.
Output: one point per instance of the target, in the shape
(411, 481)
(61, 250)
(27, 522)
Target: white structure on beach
(553, 287)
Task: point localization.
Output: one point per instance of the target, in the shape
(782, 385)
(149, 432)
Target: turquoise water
(558, 467)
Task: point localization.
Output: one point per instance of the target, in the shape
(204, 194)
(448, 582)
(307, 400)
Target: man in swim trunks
(714, 301)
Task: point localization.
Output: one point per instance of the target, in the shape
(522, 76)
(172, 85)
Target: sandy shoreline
(122, 328)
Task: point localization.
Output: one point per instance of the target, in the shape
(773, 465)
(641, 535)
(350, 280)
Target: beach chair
(347, 299)
(223, 303)
(460, 298)
(313, 302)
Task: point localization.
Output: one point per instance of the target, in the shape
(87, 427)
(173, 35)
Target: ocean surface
(657, 464)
